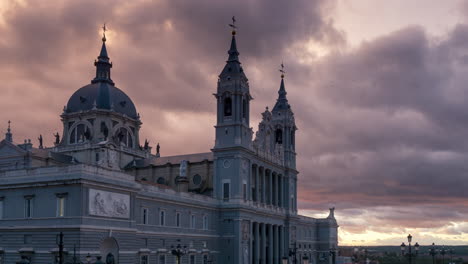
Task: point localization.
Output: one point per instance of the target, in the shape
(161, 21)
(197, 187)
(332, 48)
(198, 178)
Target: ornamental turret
(284, 126)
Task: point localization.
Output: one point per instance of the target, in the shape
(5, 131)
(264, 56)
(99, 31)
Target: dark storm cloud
(389, 128)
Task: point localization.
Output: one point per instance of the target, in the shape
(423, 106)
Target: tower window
(279, 136)
(228, 106)
(226, 191)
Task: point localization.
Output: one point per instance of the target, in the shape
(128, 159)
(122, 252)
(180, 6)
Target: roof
(196, 157)
(103, 95)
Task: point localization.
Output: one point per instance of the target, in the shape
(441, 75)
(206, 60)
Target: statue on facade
(110, 259)
(158, 148)
(57, 138)
(146, 147)
(40, 141)
(183, 168)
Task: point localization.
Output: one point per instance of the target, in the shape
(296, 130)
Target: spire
(8, 134)
(233, 53)
(102, 63)
(282, 101)
(233, 67)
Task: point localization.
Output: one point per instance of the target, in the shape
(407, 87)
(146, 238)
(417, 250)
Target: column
(263, 185)
(275, 189)
(276, 257)
(263, 246)
(270, 243)
(257, 184)
(281, 241)
(251, 241)
(257, 244)
(280, 191)
(270, 190)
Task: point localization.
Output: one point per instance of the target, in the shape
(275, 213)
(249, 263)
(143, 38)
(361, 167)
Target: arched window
(123, 136)
(228, 106)
(244, 108)
(279, 136)
(79, 134)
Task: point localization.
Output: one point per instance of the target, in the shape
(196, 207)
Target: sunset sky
(379, 89)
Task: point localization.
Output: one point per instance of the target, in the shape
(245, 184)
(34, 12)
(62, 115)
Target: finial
(9, 129)
(233, 25)
(282, 70)
(104, 29)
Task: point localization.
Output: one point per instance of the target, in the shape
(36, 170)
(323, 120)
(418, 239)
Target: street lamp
(284, 260)
(59, 242)
(88, 259)
(409, 254)
(305, 260)
(433, 252)
(443, 252)
(178, 251)
(293, 252)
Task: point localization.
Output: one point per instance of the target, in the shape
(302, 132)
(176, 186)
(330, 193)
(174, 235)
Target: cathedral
(116, 200)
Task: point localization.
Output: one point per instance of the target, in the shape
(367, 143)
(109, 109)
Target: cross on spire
(233, 25)
(104, 29)
(282, 70)
(8, 135)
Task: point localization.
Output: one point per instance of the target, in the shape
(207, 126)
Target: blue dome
(105, 95)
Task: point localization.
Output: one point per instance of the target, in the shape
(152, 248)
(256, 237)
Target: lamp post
(433, 252)
(293, 253)
(443, 251)
(178, 251)
(88, 258)
(59, 242)
(409, 254)
(451, 255)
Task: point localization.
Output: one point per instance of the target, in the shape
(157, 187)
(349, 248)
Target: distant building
(114, 198)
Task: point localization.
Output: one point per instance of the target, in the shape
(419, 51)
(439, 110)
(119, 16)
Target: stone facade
(114, 198)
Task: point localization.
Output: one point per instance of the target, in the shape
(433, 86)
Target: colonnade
(268, 187)
(267, 243)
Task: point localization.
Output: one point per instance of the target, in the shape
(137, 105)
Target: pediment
(8, 149)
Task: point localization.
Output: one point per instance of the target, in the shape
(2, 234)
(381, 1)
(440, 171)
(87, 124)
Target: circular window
(161, 180)
(197, 179)
(227, 163)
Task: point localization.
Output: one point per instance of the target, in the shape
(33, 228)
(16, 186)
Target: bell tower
(284, 126)
(233, 102)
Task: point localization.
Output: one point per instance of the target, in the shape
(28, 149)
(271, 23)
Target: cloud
(382, 126)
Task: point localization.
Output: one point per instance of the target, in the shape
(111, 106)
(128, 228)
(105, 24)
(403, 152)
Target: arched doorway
(110, 251)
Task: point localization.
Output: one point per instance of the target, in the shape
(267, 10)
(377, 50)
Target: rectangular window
(144, 259)
(226, 189)
(144, 216)
(162, 218)
(192, 259)
(162, 259)
(28, 207)
(205, 222)
(205, 259)
(61, 206)
(27, 239)
(178, 219)
(192, 221)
